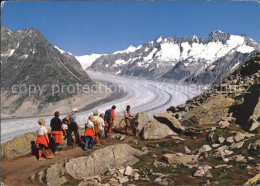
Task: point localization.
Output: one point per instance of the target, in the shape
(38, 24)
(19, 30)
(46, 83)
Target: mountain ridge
(28, 59)
(154, 59)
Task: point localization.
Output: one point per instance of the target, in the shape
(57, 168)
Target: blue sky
(85, 27)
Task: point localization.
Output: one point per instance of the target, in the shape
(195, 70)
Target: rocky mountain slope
(27, 58)
(184, 60)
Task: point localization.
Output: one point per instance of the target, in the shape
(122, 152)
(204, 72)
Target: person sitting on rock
(96, 127)
(42, 140)
(128, 119)
(89, 132)
(56, 128)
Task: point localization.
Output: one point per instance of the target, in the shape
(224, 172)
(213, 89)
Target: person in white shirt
(102, 126)
(42, 140)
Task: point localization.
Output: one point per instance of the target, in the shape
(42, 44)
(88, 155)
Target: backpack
(107, 115)
(67, 120)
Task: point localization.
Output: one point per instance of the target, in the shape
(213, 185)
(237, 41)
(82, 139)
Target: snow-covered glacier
(142, 95)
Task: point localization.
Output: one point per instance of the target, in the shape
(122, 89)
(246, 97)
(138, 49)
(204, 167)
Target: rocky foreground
(212, 139)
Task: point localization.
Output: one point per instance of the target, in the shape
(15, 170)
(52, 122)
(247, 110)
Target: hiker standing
(101, 126)
(75, 128)
(42, 140)
(128, 119)
(56, 128)
(89, 132)
(71, 122)
(96, 127)
(109, 120)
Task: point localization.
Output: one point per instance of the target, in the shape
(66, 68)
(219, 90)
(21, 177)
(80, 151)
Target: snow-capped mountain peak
(131, 48)
(62, 51)
(187, 59)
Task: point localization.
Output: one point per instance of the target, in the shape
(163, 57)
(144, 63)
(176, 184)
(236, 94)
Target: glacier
(143, 95)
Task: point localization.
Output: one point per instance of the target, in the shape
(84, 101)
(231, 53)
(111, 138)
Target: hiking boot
(49, 157)
(40, 159)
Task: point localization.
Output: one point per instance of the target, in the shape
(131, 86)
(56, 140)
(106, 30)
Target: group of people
(97, 128)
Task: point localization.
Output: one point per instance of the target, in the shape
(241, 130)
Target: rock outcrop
(19, 146)
(209, 112)
(97, 163)
(143, 119)
(171, 121)
(155, 130)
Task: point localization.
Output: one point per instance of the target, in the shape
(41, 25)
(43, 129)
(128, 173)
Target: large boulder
(22, 145)
(169, 120)
(97, 163)
(143, 119)
(155, 130)
(119, 122)
(19, 146)
(210, 112)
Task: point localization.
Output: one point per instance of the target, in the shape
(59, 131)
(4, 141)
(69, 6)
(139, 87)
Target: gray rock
(211, 136)
(143, 119)
(129, 171)
(55, 174)
(224, 124)
(171, 121)
(180, 158)
(158, 180)
(237, 145)
(254, 125)
(239, 136)
(205, 148)
(155, 130)
(178, 138)
(208, 174)
(215, 145)
(123, 179)
(19, 146)
(230, 139)
(203, 170)
(187, 150)
(254, 146)
(199, 173)
(40, 176)
(249, 135)
(113, 181)
(221, 139)
(97, 163)
(154, 156)
(122, 138)
(136, 176)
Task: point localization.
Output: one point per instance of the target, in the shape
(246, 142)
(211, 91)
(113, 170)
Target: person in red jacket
(109, 120)
(42, 140)
(112, 120)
